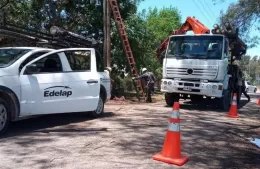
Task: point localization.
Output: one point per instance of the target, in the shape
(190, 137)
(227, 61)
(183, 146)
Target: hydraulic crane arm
(191, 24)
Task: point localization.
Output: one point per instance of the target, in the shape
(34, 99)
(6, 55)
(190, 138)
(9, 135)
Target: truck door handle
(92, 81)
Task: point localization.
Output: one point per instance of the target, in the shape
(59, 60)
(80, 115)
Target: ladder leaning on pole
(127, 49)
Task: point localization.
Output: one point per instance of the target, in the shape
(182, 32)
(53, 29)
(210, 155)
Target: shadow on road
(53, 123)
(206, 105)
(209, 141)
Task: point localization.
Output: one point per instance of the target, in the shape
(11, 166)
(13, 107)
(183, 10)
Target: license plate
(187, 88)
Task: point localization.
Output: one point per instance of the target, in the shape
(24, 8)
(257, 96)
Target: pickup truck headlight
(169, 83)
(165, 82)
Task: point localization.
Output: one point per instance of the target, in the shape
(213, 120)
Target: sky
(204, 10)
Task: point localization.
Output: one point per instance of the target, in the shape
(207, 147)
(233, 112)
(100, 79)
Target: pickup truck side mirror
(30, 69)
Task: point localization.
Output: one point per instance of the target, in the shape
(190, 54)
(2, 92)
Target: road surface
(129, 134)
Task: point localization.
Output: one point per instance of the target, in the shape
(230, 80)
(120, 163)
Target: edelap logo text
(53, 93)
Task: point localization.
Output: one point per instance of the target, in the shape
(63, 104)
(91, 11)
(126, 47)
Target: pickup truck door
(62, 83)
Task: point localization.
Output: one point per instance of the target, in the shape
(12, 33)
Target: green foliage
(245, 15)
(144, 31)
(250, 67)
(163, 22)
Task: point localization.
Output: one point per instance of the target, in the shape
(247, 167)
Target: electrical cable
(201, 11)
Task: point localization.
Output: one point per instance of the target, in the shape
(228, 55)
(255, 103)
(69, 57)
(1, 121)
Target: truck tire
(100, 108)
(170, 98)
(4, 116)
(224, 102)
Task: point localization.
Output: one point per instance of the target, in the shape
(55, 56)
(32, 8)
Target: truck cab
(38, 81)
(196, 66)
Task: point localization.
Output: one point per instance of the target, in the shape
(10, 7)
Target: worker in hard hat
(150, 82)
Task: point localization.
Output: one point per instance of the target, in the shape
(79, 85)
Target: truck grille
(189, 84)
(192, 72)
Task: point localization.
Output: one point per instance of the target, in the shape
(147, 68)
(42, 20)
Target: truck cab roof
(198, 35)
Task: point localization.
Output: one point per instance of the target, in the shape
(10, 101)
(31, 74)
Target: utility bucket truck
(201, 65)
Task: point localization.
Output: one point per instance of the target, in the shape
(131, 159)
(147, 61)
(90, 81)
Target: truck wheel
(100, 108)
(225, 101)
(4, 116)
(170, 98)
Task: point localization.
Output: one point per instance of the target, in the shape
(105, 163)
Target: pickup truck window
(30, 58)
(79, 60)
(9, 56)
(49, 64)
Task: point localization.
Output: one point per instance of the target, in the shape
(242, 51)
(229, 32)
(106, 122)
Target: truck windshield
(195, 47)
(10, 55)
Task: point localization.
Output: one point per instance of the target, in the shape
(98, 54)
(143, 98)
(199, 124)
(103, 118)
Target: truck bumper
(211, 89)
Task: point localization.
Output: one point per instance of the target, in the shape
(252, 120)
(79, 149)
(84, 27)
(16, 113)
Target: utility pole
(107, 30)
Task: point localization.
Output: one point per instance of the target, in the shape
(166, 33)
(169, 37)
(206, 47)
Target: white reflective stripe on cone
(235, 98)
(234, 103)
(175, 114)
(174, 127)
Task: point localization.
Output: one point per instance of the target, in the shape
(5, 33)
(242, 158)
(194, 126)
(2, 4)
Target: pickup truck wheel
(100, 108)
(4, 116)
(225, 101)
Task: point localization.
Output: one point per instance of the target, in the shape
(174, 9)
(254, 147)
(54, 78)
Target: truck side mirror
(30, 69)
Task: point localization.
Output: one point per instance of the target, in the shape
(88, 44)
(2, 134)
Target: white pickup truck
(38, 81)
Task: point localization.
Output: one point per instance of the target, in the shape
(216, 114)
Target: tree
(163, 22)
(244, 14)
(250, 66)
(145, 30)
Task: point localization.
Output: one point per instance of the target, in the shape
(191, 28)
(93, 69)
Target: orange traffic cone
(258, 103)
(171, 152)
(233, 109)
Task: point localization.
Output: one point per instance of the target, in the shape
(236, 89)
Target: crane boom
(191, 24)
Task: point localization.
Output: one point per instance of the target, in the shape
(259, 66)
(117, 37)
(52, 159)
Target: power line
(210, 9)
(205, 9)
(201, 11)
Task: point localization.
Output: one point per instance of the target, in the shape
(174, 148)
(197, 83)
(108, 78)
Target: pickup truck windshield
(10, 55)
(195, 47)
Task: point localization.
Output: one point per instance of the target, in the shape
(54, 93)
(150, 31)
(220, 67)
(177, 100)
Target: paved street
(129, 134)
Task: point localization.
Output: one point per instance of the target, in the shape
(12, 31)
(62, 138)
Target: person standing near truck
(241, 82)
(150, 82)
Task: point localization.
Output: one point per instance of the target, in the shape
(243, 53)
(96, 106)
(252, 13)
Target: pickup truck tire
(224, 102)
(4, 116)
(100, 108)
